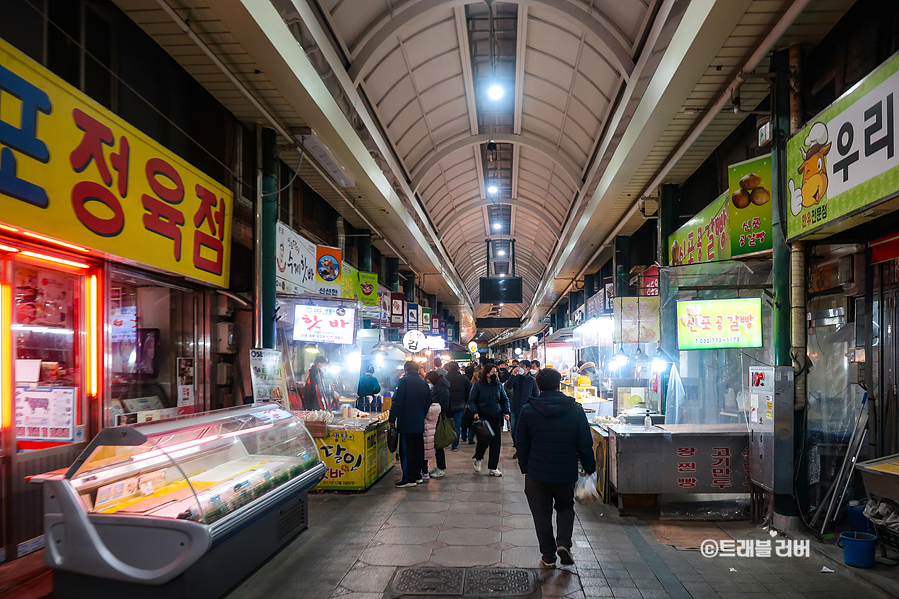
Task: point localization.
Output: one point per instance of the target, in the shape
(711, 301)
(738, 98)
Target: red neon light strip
(8, 228)
(8, 248)
(55, 241)
(6, 359)
(55, 259)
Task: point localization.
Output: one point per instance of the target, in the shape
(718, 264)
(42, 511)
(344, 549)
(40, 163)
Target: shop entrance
(49, 370)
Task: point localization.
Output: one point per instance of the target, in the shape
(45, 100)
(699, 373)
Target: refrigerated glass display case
(179, 508)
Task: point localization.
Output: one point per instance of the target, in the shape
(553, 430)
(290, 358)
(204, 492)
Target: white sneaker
(437, 473)
(477, 465)
(495, 473)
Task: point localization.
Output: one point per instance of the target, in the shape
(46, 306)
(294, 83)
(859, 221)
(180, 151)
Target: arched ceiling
(425, 66)
(600, 96)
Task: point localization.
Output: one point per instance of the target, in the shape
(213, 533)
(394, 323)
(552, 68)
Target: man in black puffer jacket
(552, 435)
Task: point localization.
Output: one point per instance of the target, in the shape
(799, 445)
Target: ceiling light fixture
(501, 253)
(495, 91)
(493, 188)
(496, 225)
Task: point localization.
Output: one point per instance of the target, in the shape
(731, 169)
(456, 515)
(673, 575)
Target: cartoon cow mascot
(813, 170)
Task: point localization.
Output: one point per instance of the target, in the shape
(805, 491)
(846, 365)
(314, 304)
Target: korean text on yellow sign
(72, 170)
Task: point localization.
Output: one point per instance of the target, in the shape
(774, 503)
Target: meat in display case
(179, 508)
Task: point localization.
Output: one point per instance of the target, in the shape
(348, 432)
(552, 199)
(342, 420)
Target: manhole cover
(429, 581)
(489, 582)
(468, 582)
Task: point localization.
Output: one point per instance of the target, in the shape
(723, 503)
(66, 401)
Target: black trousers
(441, 458)
(495, 442)
(412, 455)
(541, 497)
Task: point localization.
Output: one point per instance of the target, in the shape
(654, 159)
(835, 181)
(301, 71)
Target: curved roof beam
(574, 173)
(519, 204)
(532, 248)
(410, 11)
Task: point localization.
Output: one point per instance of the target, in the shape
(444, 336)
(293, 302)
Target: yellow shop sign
(72, 170)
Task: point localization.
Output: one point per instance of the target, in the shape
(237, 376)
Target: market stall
(213, 495)
(326, 353)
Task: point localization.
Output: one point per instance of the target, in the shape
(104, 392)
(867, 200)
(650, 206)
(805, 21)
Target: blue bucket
(858, 548)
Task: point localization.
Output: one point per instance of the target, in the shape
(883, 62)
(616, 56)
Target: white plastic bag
(585, 489)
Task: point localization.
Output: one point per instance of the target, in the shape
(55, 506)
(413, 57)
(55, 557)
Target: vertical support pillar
(393, 283)
(364, 245)
(269, 218)
(393, 274)
(589, 286)
(622, 265)
(668, 218)
(783, 502)
(408, 285)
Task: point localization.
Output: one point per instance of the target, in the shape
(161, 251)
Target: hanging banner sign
(397, 310)
(412, 317)
(367, 288)
(636, 320)
(426, 319)
(435, 324)
(295, 261)
(749, 209)
(324, 324)
(74, 171)
(609, 290)
(719, 324)
(844, 161)
(704, 238)
(442, 326)
(267, 372)
(328, 264)
(349, 281)
(649, 281)
(735, 224)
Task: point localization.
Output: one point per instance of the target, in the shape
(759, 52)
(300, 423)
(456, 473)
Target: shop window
(153, 361)
(48, 353)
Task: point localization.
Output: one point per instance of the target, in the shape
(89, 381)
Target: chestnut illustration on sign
(750, 192)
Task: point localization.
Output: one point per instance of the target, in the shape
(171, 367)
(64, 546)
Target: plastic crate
(887, 536)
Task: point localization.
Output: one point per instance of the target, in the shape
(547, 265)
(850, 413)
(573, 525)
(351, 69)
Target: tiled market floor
(356, 542)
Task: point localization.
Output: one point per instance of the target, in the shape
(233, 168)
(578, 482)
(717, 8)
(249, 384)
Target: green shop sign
(844, 161)
(736, 224)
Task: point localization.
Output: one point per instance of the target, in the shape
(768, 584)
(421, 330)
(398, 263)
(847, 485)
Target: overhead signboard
(324, 324)
(414, 341)
(397, 310)
(295, 261)
(719, 324)
(328, 266)
(412, 317)
(737, 223)
(636, 319)
(72, 170)
(844, 161)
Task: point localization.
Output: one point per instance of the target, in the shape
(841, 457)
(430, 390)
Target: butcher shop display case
(178, 508)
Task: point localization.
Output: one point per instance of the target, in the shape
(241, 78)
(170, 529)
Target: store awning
(885, 248)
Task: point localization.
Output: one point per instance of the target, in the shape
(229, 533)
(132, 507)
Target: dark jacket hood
(553, 404)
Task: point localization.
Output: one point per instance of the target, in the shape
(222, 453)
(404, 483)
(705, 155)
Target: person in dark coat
(460, 389)
(440, 394)
(552, 435)
(504, 373)
(489, 402)
(522, 387)
(407, 413)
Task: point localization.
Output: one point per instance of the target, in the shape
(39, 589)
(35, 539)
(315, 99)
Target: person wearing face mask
(535, 368)
(488, 401)
(522, 388)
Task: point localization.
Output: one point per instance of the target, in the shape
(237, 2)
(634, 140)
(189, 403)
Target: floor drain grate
(488, 582)
(467, 582)
(429, 581)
